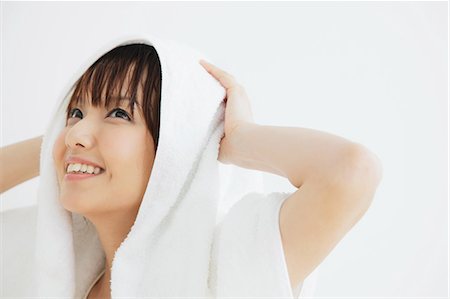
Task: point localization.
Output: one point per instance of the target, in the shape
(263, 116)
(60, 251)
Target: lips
(80, 176)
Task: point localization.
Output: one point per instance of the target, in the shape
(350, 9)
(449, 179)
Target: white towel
(186, 242)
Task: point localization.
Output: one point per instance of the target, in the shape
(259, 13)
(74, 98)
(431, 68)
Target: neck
(112, 228)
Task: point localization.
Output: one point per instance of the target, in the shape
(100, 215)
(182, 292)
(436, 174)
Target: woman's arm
(336, 177)
(336, 180)
(19, 162)
(300, 154)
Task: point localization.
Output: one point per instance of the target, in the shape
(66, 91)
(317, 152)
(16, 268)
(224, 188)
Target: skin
(19, 162)
(125, 149)
(336, 178)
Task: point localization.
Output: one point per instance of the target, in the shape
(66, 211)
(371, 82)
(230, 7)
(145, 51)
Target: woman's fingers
(227, 80)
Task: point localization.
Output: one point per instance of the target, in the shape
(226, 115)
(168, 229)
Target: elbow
(360, 171)
(363, 163)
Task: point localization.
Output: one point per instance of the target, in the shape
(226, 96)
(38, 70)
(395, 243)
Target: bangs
(134, 66)
(103, 82)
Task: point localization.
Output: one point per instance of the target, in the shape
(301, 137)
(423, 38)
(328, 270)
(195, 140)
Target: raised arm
(336, 177)
(19, 162)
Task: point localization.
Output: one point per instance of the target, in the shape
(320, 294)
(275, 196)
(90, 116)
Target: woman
(336, 178)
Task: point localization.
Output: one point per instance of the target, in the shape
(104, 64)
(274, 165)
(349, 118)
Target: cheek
(120, 153)
(118, 150)
(147, 159)
(131, 159)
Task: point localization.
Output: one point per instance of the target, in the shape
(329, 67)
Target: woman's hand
(238, 111)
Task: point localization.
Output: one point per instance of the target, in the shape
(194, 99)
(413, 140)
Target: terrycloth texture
(184, 243)
(18, 247)
(248, 258)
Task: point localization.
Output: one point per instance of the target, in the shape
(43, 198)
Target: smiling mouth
(80, 168)
(80, 175)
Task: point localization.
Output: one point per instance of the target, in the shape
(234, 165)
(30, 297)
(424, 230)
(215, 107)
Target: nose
(81, 135)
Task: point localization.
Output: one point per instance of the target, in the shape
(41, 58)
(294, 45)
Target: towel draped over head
(203, 228)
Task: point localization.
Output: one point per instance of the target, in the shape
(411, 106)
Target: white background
(374, 73)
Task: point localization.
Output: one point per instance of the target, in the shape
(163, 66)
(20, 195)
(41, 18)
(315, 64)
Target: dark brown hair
(107, 75)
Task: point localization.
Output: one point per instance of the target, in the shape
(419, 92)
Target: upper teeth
(77, 167)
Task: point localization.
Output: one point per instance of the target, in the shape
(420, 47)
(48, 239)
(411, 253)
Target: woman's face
(122, 146)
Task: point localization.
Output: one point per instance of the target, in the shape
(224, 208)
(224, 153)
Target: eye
(72, 111)
(121, 112)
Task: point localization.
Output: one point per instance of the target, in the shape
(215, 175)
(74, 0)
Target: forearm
(19, 162)
(293, 152)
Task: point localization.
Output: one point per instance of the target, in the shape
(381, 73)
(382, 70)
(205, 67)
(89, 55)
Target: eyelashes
(126, 116)
(71, 112)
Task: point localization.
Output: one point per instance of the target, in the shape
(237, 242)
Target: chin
(76, 203)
